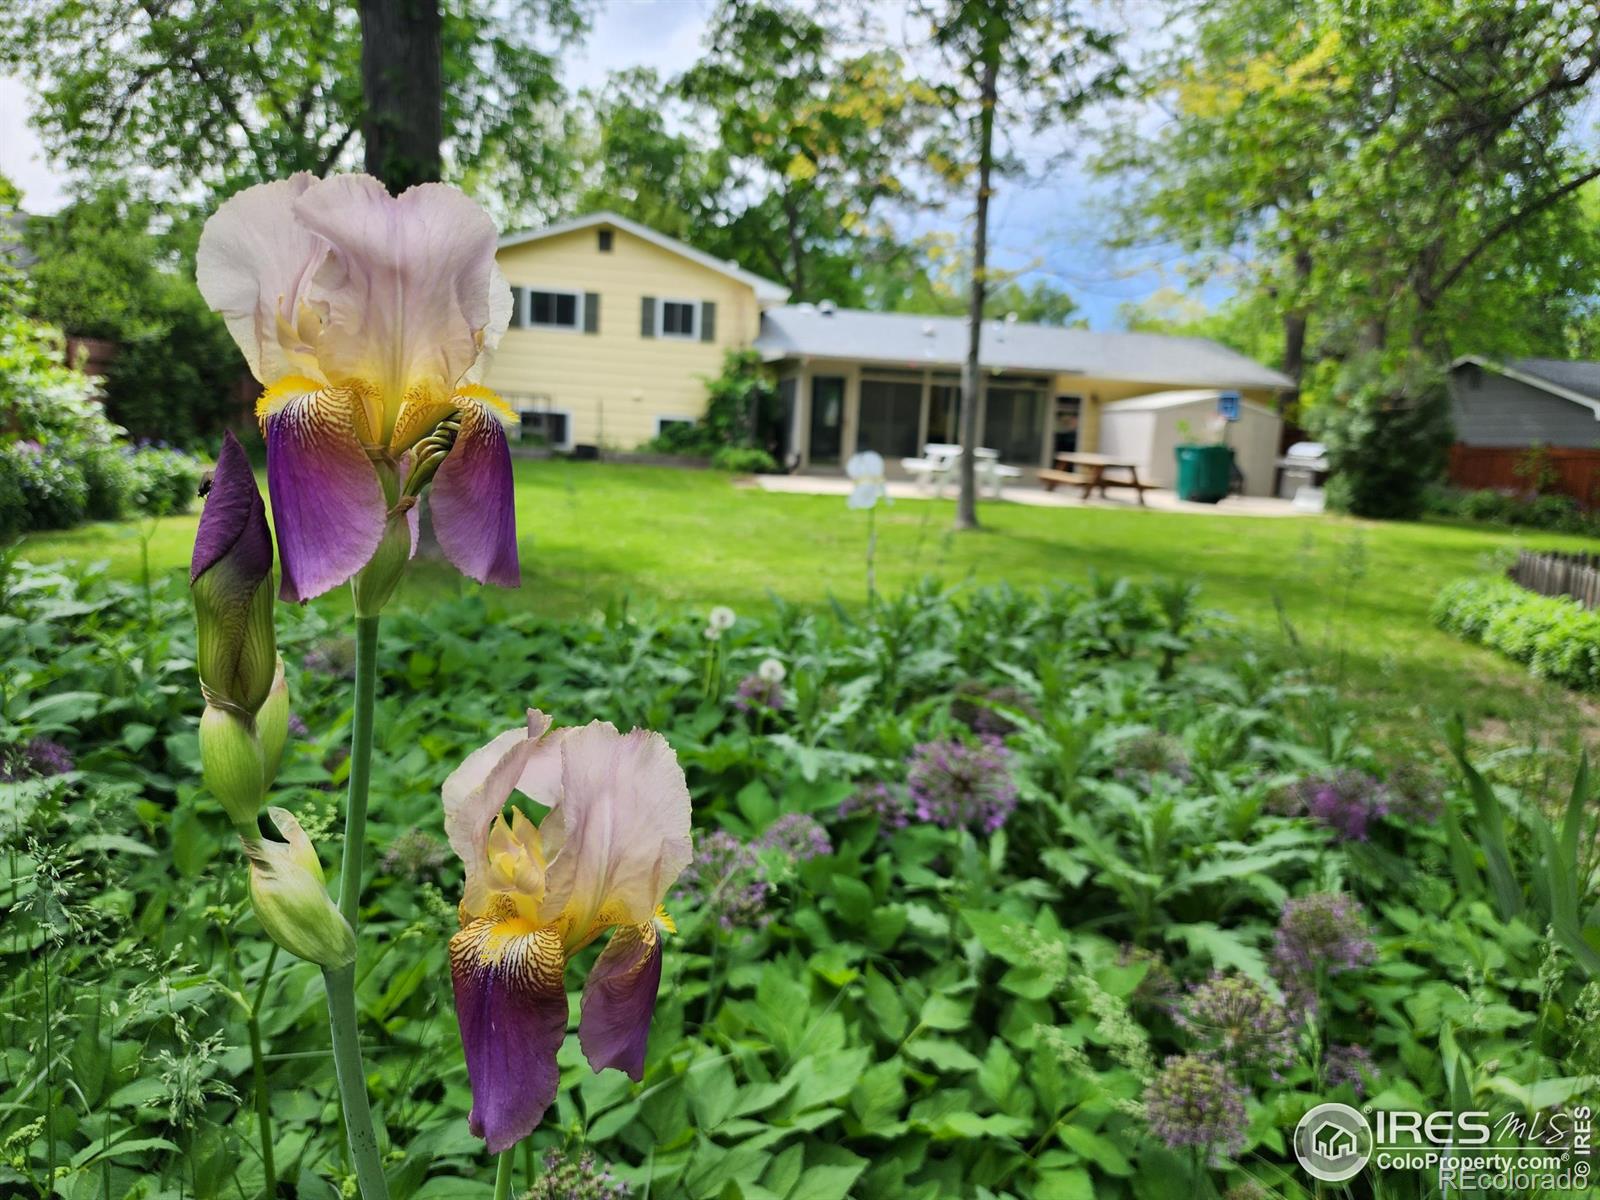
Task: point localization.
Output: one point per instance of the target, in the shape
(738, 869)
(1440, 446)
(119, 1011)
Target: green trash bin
(1204, 473)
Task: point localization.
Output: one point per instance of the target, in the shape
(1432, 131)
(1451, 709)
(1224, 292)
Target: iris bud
(272, 727)
(230, 578)
(230, 759)
(290, 898)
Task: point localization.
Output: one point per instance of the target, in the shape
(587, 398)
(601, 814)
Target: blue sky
(1052, 223)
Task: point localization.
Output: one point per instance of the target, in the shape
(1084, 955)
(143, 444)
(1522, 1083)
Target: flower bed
(994, 890)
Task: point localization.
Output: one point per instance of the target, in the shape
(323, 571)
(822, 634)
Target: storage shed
(1145, 430)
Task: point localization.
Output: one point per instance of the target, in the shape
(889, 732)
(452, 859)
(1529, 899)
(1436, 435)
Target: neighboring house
(1509, 414)
(618, 328)
(1526, 401)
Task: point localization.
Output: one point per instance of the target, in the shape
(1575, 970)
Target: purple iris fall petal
(473, 502)
(512, 1010)
(619, 999)
(326, 496)
(234, 521)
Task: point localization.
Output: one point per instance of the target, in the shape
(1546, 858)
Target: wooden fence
(1576, 472)
(1557, 574)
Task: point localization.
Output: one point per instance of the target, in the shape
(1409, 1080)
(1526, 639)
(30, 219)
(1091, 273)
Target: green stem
(258, 1064)
(347, 1066)
(342, 982)
(355, 815)
(502, 1174)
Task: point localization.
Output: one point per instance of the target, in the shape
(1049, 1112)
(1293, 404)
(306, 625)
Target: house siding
(614, 383)
(1491, 410)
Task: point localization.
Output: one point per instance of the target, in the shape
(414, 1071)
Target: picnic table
(1091, 473)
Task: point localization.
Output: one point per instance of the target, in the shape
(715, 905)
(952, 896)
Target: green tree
(1390, 173)
(222, 93)
(784, 148)
(112, 267)
(1012, 64)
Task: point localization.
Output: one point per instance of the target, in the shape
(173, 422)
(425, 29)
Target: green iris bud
(230, 578)
(272, 727)
(290, 898)
(231, 761)
(375, 583)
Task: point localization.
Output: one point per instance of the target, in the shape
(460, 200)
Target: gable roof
(912, 340)
(766, 290)
(1576, 380)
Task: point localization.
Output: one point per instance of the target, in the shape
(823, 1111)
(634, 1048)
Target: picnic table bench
(1089, 472)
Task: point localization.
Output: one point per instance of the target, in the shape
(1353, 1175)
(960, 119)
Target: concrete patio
(1157, 500)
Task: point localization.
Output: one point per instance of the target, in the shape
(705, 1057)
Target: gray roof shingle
(912, 340)
(1576, 376)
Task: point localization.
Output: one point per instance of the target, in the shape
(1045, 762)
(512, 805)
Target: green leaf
(831, 1173)
(712, 1094)
(1064, 1183)
(883, 1002)
(879, 1096)
(941, 1011)
(945, 1055)
(1490, 826)
(1223, 947)
(1096, 1148)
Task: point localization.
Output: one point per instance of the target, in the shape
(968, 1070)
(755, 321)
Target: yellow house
(615, 329)
(618, 327)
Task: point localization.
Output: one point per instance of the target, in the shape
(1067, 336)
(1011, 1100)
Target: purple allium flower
(881, 800)
(1193, 1101)
(1347, 802)
(39, 759)
(958, 785)
(1236, 1020)
(756, 694)
(798, 835)
(1322, 934)
(297, 726)
(582, 1178)
(1151, 754)
(726, 879)
(977, 706)
(416, 854)
(1349, 1064)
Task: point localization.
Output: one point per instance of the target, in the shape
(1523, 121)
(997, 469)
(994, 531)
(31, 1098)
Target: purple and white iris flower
(369, 319)
(614, 842)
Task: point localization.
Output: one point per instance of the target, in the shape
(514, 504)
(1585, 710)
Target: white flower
(721, 617)
(771, 671)
(713, 634)
(866, 468)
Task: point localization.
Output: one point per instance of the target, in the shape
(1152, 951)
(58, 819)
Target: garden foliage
(1557, 637)
(61, 460)
(996, 894)
(741, 407)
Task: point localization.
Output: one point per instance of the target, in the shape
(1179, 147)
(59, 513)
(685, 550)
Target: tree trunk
(402, 63)
(1294, 324)
(971, 372)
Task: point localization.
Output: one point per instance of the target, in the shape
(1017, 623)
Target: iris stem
(502, 1174)
(341, 983)
(355, 814)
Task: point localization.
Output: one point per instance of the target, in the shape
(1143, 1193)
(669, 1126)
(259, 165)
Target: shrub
(166, 481)
(1558, 638)
(743, 459)
(112, 482)
(741, 406)
(1387, 430)
(54, 493)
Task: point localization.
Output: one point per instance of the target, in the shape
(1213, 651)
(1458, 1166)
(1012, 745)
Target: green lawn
(1357, 593)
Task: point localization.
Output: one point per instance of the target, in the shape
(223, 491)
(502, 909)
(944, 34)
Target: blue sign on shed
(1228, 405)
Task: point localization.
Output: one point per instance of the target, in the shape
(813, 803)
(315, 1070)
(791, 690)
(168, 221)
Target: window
(889, 416)
(663, 422)
(679, 319)
(547, 428)
(605, 241)
(554, 310)
(1014, 423)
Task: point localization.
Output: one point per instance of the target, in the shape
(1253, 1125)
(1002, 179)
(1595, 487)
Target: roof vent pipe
(825, 307)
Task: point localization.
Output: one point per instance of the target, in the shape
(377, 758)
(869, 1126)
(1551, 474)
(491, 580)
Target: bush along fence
(1556, 574)
(1555, 635)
